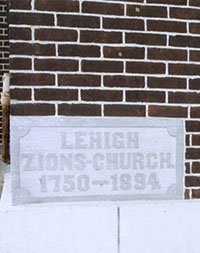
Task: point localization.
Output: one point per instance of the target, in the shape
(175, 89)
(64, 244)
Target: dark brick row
(58, 5)
(45, 109)
(123, 24)
(146, 11)
(31, 19)
(56, 94)
(95, 81)
(184, 97)
(32, 49)
(184, 69)
(166, 26)
(174, 2)
(168, 111)
(167, 54)
(103, 8)
(196, 139)
(78, 21)
(184, 13)
(20, 5)
(167, 83)
(21, 94)
(24, 79)
(145, 96)
(194, 3)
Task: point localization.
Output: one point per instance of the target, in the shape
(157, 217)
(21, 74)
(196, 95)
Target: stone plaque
(89, 159)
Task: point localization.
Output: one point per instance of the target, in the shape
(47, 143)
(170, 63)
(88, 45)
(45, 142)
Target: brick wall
(4, 49)
(137, 58)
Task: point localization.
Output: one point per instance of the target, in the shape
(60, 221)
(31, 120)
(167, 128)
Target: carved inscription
(98, 163)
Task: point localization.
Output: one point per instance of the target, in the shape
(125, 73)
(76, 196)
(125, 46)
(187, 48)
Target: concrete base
(163, 227)
(62, 228)
(133, 227)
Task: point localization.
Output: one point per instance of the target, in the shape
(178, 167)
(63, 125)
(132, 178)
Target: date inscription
(82, 183)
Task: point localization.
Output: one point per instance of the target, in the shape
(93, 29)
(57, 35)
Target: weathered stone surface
(73, 159)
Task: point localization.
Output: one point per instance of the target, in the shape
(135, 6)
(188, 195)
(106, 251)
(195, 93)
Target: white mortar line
(102, 110)
(56, 80)
(99, 59)
(147, 111)
(104, 44)
(33, 94)
(32, 6)
(56, 109)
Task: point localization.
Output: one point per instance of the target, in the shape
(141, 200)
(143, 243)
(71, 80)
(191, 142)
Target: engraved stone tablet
(84, 159)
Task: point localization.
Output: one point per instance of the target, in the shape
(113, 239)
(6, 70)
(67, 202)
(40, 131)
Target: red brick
(147, 11)
(79, 50)
(194, 3)
(56, 94)
(145, 67)
(187, 140)
(184, 13)
(195, 193)
(174, 2)
(184, 41)
(31, 18)
(124, 110)
(167, 54)
(187, 168)
(127, 24)
(194, 84)
(167, 83)
(32, 109)
(102, 66)
(192, 181)
(196, 139)
(166, 26)
(101, 95)
(20, 63)
(19, 33)
(196, 167)
(184, 69)
(101, 37)
(145, 96)
(79, 110)
(21, 5)
(56, 65)
(79, 80)
(184, 97)
(58, 5)
(55, 35)
(195, 112)
(78, 21)
(194, 28)
(124, 52)
(187, 194)
(124, 81)
(195, 55)
(168, 111)
(146, 39)
(24, 79)
(32, 49)
(20, 94)
(193, 153)
(103, 8)
(193, 126)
